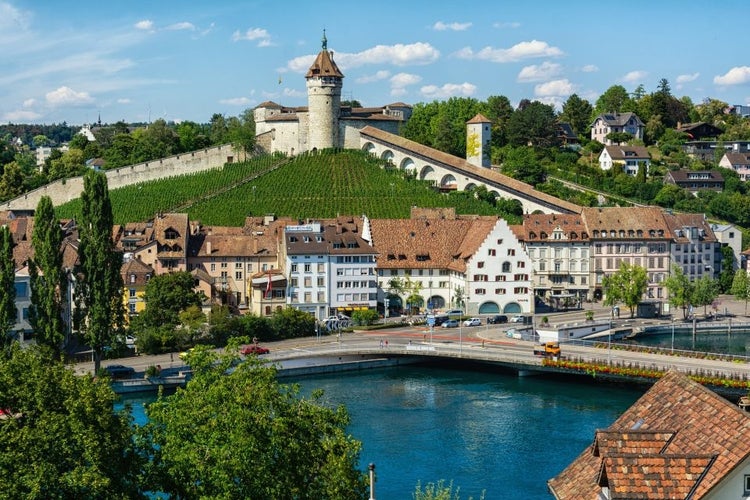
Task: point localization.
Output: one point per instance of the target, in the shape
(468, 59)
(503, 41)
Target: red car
(253, 349)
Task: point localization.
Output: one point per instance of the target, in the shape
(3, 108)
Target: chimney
(208, 248)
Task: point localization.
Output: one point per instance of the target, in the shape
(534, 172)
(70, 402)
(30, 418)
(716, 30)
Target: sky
(141, 60)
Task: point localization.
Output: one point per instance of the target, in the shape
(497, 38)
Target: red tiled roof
(678, 438)
(535, 226)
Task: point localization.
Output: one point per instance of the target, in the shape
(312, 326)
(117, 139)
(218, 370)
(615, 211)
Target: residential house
(163, 242)
(267, 282)
(470, 262)
(739, 162)
(730, 236)
(694, 246)
(607, 123)
(558, 247)
(135, 277)
(712, 151)
(567, 137)
(679, 440)
(629, 158)
(699, 131)
(638, 236)
(696, 180)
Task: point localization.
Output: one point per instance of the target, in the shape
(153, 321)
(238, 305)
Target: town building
(628, 158)
(730, 236)
(135, 277)
(478, 141)
(607, 123)
(679, 440)
(739, 162)
(694, 246)
(699, 131)
(713, 151)
(558, 247)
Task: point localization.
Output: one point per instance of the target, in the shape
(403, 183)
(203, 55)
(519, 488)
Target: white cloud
(506, 25)
(635, 76)
(294, 93)
(441, 26)
(123, 100)
(448, 90)
(687, 78)
(235, 101)
(145, 25)
(555, 101)
(398, 92)
(518, 52)
(29, 103)
(378, 76)
(590, 68)
(539, 72)
(21, 116)
(735, 76)
(65, 96)
(181, 26)
(399, 55)
(12, 18)
(404, 79)
(554, 88)
(260, 34)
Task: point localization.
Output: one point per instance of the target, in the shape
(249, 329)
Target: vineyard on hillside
(321, 185)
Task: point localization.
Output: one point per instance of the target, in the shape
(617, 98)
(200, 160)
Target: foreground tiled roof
(679, 440)
(510, 184)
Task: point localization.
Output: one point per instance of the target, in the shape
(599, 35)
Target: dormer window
(132, 278)
(423, 257)
(292, 239)
(171, 234)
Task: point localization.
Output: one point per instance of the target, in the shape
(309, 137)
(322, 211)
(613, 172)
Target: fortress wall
(64, 190)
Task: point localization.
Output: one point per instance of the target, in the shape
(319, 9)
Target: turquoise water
(724, 341)
(492, 432)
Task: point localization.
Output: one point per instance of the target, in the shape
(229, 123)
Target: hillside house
(606, 123)
(696, 180)
(739, 162)
(699, 131)
(629, 158)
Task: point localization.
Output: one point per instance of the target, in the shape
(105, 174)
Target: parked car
(517, 319)
(455, 312)
(119, 371)
(497, 319)
(451, 323)
(473, 322)
(247, 350)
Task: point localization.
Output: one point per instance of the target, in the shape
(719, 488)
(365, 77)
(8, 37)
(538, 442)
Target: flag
(268, 285)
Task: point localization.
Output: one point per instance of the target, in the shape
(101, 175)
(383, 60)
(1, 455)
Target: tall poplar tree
(47, 278)
(8, 312)
(99, 283)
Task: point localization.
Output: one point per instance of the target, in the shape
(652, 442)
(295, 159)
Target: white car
(473, 322)
(516, 319)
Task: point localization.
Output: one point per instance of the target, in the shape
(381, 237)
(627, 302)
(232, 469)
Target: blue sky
(180, 60)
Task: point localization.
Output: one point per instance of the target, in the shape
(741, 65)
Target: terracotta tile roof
(342, 235)
(678, 439)
(539, 227)
(324, 66)
(628, 152)
(479, 118)
(502, 181)
(678, 222)
(616, 219)
(135, 267)
(165, 224)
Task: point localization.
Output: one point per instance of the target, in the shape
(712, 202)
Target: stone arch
(408, 165)
(512, 308)
(489, 308)
(448, 182)
(388, 156)
(369, 147)
(470, 186)
(495, 194)
(436, 302)
(427, 173)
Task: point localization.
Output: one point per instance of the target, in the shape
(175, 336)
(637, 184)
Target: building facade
(607, 123)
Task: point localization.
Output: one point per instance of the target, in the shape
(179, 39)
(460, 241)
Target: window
(506, 267)
(132, 278)
(22, 289)
(521, 264)
(132, 292)
(213, 266)
(491, 252)
(480, 291)
(308, 268)
(294, 282)
(308, 283)
(511, 252)
(480, 264)
(238, 275)
(321, 281)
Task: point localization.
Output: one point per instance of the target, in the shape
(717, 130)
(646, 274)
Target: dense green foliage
(241, 434)
(316, 185)
(64, 440)
(7, 284)
(626, 285)
(48, 280)
(99, 305)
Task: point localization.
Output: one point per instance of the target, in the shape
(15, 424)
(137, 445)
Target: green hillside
(326, 184)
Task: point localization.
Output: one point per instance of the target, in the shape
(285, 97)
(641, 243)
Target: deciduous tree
(741, 287)
(626, 285)
(680, 289)
(244, 435)
(8, 313)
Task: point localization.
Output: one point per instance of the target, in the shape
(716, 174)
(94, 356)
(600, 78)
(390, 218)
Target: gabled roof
(539, 227)
(628, 152)
(616, 219)
(679, 439)
(737, 158)
(698, 175)
(617, 119)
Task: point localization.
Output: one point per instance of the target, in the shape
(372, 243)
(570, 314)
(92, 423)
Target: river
(485, 431)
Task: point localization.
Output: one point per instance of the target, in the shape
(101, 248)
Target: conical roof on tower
(324, 65)
(479, 118)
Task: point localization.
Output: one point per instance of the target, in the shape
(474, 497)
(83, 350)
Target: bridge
(451, 173)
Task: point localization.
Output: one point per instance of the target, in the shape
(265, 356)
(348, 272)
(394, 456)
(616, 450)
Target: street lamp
(672, 333)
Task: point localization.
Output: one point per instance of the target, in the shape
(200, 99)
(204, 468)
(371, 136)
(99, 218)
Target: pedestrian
(386, 343)
(381, 343)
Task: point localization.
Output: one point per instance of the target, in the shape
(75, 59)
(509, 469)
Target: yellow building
(135, 275)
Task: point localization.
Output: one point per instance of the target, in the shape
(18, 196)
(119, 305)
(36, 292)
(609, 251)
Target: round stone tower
(324, 82)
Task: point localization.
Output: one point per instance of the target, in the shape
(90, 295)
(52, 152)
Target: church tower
(478, 134)
(324, 82)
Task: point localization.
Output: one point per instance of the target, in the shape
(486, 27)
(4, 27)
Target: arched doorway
(393, 304)
(436, 302)
(512, 308)
(489, 308)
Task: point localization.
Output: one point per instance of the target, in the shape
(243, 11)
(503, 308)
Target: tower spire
(324, 41)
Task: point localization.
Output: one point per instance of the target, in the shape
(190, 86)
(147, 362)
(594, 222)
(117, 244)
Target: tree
(65, 440)
(8, 311)
(627, 285)
(521, 163)
(533, 124)
(241, 434)
(741, 287)
(577, 112)
(727, 269)
(614, 100)
(439, 491)
(289, 323)
(705, 291)
(47, 278)
(458, 297)
(166, 296)
(241, 132)
(498, 110)
(680, 289)
(99, 285)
